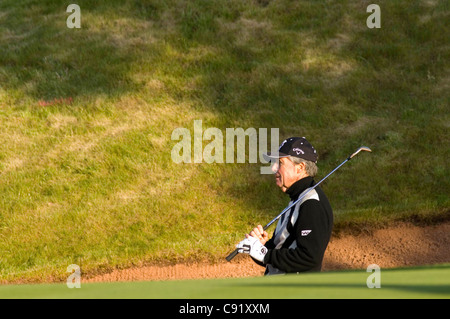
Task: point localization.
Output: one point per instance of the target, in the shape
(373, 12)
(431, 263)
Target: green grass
(91, 181)
(409, 283)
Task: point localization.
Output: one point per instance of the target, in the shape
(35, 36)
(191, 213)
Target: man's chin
(280, 185)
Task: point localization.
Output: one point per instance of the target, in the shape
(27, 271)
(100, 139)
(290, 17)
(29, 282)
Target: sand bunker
(398, 246)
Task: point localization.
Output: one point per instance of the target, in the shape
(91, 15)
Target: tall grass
(86, 117)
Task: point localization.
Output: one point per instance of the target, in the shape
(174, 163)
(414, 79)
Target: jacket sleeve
(312, 233)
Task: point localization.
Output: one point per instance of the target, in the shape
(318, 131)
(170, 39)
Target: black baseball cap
(296, 147)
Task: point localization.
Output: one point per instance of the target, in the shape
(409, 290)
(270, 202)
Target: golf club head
(362, 148)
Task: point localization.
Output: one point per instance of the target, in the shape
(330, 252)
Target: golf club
(362, 148)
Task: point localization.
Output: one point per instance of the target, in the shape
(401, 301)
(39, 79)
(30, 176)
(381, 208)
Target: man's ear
(300, 167)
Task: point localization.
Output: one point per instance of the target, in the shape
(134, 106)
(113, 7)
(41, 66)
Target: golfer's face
(285, 173)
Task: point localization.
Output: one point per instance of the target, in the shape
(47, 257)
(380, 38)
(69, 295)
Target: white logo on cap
(298, 151)
(284, 142)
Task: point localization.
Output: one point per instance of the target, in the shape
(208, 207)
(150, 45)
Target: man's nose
(275, 167)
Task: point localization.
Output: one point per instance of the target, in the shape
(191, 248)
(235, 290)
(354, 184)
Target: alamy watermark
(74, 19)
(74, 280)
(224, 147)
(374, 19)
(374, 280)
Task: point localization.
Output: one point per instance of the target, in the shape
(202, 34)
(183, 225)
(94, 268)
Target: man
(302, 233)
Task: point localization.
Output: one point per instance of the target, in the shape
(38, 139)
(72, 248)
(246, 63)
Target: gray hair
(310, 167)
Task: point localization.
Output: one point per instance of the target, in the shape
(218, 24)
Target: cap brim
(269, 156)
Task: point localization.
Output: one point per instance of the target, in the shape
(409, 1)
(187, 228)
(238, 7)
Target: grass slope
(86, 117)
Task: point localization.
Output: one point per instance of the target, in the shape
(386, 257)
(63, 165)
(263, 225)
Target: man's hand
(260, 234)
(253, 247)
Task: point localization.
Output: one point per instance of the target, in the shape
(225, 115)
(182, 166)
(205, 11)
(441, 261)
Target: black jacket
(299, 243)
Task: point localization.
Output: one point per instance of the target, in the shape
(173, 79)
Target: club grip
(232, 255)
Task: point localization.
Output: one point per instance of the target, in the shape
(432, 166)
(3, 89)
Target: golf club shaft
(362, 148)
